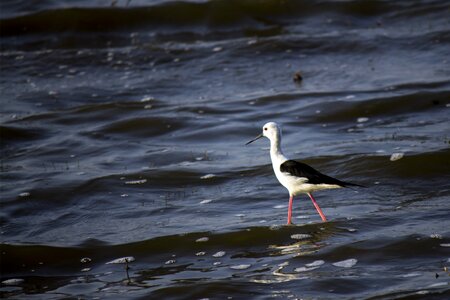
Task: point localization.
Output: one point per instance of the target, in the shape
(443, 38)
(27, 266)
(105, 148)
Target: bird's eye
(265, 128)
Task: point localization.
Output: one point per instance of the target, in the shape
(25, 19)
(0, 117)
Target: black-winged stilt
(297, 177)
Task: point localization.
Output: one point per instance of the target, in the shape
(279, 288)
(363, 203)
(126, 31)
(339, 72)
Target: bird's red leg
(317, 207)
(291, 198)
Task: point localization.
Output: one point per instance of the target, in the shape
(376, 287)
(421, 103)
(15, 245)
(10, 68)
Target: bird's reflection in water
(308, 245)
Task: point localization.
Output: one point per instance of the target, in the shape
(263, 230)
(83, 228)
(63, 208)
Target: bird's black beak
(258, 137)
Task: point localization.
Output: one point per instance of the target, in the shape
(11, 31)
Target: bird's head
(270, 130)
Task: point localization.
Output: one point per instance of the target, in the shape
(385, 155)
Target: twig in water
(127, 267)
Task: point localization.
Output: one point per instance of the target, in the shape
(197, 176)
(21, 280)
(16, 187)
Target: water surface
(123, 129)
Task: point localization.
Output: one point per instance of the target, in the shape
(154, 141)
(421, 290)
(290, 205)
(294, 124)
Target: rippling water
(123, 126)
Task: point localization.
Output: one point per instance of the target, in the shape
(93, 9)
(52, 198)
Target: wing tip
(349, 184)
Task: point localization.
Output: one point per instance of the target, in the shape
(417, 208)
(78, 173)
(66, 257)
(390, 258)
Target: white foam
(438, 284)
(300, 236)
(436, 236)
(147, 99)
(12, 281)
(140, 181)
(305, 269)
(362, 120)
(280, 206)
(348, 263)
(208, 176)
(315, 263)
(240, 267)
(121, 260)
(422, 292)
(396, 156)
(219, 254)
(202, 239)
(410, 275)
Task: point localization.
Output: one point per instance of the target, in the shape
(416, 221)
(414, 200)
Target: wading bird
(296, 177)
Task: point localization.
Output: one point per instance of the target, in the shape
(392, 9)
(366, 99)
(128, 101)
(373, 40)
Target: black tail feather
(349, 184)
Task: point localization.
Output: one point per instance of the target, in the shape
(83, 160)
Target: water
(123, 131)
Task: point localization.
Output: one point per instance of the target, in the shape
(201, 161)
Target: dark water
(123, 130)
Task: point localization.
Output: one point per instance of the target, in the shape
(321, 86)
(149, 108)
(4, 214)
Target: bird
(296, 177)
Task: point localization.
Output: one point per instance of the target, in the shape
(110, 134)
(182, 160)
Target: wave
(217, 13)
(16, 134)
(384, 106)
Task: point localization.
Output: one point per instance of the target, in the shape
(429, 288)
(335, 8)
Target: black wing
(299, 169)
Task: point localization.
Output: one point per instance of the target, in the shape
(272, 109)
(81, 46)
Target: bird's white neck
(276, 155)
